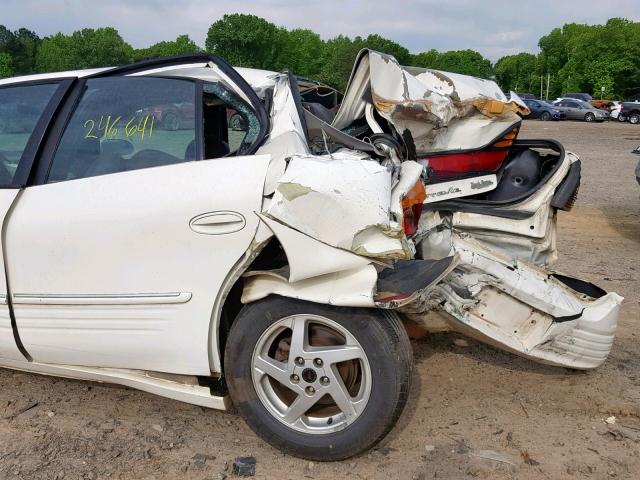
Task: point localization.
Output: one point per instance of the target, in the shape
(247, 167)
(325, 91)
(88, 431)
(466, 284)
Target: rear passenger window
(20, 110)
(127, 123)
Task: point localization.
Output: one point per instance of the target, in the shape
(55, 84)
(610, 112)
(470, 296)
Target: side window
(127, 123)
(20, 110)
(573, 105)
(230, 125)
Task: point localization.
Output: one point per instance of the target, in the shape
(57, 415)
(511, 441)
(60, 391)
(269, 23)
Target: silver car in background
(580, 110)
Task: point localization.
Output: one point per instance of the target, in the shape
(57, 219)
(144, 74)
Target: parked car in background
(543, 110)
(585, 97)
(603, 104)
(616, 112)
(527, 96)
(631, 110)
(173, 116)
(580, 110)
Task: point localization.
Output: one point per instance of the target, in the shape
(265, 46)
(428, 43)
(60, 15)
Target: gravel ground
(468, 402)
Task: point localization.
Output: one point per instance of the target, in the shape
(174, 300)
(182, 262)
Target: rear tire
(622, 118)
(634, 118)
(264, 335)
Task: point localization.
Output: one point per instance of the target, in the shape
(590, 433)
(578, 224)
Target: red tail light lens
(455, 165)
(412, 208)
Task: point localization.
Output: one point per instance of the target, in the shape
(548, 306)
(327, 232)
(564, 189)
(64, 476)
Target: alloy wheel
(311, 374)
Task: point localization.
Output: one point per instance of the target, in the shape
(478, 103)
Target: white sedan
(213, 234)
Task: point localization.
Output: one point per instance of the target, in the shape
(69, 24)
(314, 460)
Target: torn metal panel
(410, 173)
(527, 283)
(349, 288)
(521, 308)
(503, 321)
(443, 111)
(342, 200)
(287, 136)
(299, 248)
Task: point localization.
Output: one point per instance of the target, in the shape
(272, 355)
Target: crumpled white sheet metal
(299, 247)
(351, 288)
(343, 201)
(443, 111)
(287, 135)
(521, 308)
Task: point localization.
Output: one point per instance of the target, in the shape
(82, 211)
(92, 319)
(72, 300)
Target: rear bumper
(586, 342)
(522, 308)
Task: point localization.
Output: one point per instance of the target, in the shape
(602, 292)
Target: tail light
(412, 208)
(455, 165)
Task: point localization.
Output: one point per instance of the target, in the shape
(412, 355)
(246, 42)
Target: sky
(493, 27)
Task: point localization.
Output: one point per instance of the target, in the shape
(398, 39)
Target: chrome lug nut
(299, 361)
(295, 378)
(318, 362)
(324, 380)
(310, 390)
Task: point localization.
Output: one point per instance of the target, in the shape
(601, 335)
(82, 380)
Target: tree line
(599, 59)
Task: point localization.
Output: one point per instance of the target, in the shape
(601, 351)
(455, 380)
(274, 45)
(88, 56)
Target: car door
(24, 113)
(117, 258)
(573, 111)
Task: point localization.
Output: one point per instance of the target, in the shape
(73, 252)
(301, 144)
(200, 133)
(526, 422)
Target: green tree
(300, 52)
(6, 65)
(467, 62)
(245, 41)
(337, 60)
(518, 73)
(384, 45)
(182, 44)
(21, 46)
(428, 59)
(86, 48)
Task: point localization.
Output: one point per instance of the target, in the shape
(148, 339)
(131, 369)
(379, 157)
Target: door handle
(218, 223)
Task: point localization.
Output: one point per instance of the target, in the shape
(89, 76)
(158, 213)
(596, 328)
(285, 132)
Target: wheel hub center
(309, 375)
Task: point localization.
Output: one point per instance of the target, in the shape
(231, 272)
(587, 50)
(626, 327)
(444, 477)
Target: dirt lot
(544, 422)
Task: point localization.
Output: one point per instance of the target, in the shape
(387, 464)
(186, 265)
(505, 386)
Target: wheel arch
(228, 304)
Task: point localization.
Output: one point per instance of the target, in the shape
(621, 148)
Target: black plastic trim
(199, 120)
(297, 100)
(54, 133)
(580, 286)
(566, 191)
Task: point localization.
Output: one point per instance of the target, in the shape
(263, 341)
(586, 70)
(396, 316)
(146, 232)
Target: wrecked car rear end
(414, 195)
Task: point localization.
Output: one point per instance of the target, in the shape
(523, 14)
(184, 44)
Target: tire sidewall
(634, 118)
(589, 117)
(374, 422)
(546, 116)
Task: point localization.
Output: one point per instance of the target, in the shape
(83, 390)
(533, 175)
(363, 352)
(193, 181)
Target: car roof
(194, 66)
